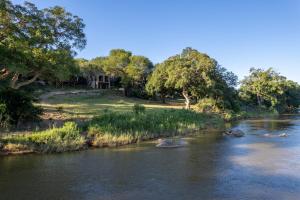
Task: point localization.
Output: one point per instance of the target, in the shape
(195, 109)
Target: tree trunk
(163, 98)
(187, 99)
(259, 100)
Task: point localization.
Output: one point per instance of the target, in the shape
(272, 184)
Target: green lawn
(85, 106)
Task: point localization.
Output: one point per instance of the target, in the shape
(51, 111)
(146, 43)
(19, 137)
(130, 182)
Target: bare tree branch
(27, 82)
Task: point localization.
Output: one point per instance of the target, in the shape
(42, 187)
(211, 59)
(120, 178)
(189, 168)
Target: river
(211, 166)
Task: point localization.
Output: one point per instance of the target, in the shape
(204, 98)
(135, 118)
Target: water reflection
(268, 158)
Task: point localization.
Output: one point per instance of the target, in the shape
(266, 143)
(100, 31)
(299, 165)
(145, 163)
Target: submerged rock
(235, 133)
(170, 143)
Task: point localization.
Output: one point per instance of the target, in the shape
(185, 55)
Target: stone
(170, 143)
(235, 133)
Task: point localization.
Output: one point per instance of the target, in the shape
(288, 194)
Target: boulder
(235, 133)
(170, 143)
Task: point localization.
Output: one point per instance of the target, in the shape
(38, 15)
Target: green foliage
(132, 69)
(92, 69)
(121, 128)
(38, 43)
(16, 106)
(138, 108)
(66, 138)
(156, 83)
(4, 116)
(267, 88)
(208, 105)
(193, 74)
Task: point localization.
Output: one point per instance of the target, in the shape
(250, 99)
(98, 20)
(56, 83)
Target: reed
(114, 129)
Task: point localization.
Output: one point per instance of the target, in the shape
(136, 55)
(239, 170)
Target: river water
(211, 166)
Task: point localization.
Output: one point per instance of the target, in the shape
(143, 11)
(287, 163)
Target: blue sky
(239, 34)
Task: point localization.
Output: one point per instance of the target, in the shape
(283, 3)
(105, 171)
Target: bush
(16, 106)
(4, 116)
(66, 138)
(138, 108)
(208, 105)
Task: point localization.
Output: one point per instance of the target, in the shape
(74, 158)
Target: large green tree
(270, 89)
(263, 87)
(156, 82)
(132, 69)
(37, 43)
(193, 74)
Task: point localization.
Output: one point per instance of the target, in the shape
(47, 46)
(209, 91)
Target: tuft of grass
(138, 108)
(59, 108)
(114, 129)
(66, 138)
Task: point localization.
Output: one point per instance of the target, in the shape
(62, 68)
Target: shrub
(138, 108)
(4, 116)
(208, 105)
(59, 108)
(16, 106)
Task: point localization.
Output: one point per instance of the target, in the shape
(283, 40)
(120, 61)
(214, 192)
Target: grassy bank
(111, 129)
(108, 119)
(66, 138)
(249, 114)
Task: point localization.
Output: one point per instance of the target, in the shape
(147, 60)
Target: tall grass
(66, 138)
(113, 129)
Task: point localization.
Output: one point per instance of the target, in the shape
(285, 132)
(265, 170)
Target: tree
(132, 69)
(263, 87)
(117, 61)
(37, 43)
(194, 74)
(291, 98)
(91, 70)
(136, 74)
(156, 82)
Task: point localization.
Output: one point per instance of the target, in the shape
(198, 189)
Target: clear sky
(239, 34)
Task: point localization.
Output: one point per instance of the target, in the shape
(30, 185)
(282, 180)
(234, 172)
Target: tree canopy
(269, 89)
(133, 70)
(193, 74)
(37, 42)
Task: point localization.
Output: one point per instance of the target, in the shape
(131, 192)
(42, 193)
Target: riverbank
(103, 119)
(111, 129)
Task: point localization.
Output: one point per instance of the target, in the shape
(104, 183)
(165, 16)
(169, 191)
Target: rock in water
(170, 143)
(283, 135)
(235, 133)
